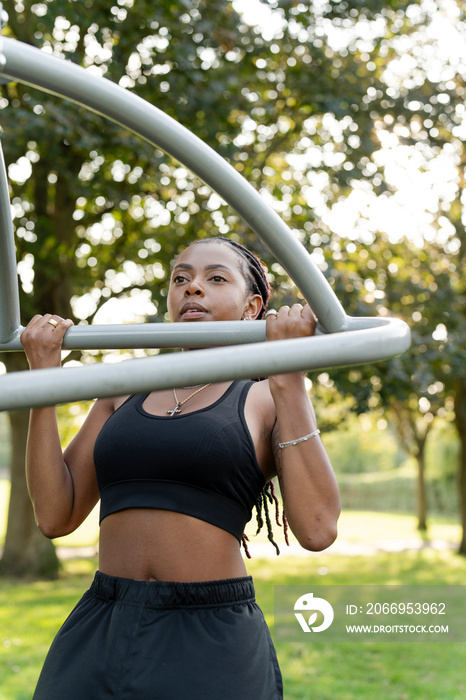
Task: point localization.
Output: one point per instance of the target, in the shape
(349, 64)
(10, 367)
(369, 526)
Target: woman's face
(207, 285)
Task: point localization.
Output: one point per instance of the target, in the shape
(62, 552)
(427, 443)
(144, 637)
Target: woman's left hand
(297, 321)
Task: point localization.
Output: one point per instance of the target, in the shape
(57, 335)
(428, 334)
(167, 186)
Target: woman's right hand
(42, 340)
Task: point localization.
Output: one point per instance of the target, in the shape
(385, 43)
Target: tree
(420, 113)
(414, 106)
(409, 281)
(98, 214)
(88, 196)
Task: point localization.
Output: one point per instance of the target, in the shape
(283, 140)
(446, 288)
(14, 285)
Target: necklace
(179, 403)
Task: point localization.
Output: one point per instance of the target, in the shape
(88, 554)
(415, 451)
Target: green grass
(30, 613)
(367, 670)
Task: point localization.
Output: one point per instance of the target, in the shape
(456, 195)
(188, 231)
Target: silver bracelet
(301, 439)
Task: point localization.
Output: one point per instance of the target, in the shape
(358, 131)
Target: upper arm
(79, 459)
(260, 417)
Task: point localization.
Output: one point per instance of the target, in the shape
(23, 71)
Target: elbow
(50, 535)
(49, 531)
(52, 530)
(319, 540)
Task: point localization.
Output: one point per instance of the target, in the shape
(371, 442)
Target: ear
(252, 307)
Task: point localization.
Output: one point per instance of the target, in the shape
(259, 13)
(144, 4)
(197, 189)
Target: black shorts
(138, 640)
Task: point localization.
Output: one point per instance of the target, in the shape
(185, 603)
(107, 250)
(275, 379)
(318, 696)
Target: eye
(218, 278)
(178, 279)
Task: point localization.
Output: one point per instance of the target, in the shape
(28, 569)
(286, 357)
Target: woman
(171, 612)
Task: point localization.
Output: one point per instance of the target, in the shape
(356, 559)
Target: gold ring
(53, 322)
(271, 312)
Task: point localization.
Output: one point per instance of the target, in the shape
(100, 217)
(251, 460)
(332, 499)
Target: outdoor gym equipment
(341, 340)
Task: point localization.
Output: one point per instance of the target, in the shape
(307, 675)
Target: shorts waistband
(173, 594)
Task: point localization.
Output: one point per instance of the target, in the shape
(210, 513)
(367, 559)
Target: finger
(296, 310)
(43, 321)
(308, 313)
(52, 321)
(271, 313)
(60, 329)
(310, 319)
(35, 320)
(283, 311)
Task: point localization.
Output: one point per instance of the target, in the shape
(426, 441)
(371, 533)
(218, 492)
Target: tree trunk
(27, 553)
(460, 421)
(421, 490)
(414, 442)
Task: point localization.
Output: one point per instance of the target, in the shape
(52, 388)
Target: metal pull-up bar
(346, 340)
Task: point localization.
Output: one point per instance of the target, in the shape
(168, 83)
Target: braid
(259, 518)
(277, 513)
(267, 495)
(253, 269)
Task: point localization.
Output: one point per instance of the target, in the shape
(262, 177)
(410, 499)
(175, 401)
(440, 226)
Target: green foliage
(98, 197)
(412, 282)
(70, 418)
(361, 447)
(397, 491)
(97, 194)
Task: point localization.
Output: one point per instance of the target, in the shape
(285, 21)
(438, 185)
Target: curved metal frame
(352, 340)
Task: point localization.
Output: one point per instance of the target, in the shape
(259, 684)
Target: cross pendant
(175, 410)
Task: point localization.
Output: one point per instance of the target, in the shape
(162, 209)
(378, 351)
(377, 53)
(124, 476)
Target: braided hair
(255, 273)
(266, 496)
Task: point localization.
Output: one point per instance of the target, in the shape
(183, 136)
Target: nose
(194, 288)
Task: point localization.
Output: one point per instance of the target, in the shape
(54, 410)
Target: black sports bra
(201, 463)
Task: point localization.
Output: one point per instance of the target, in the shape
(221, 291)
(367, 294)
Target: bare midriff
(161, 545)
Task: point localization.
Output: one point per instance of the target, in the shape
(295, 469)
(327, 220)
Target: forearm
(307, 481)
(48, 478)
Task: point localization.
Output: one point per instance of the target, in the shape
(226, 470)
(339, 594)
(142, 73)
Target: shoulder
(105, 407)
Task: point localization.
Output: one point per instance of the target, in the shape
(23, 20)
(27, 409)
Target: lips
(192, 310)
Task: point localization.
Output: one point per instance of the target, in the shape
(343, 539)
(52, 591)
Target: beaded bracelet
(298, 440)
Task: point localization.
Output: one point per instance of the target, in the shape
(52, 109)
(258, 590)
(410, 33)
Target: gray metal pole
(369, 339)
(188, 335)
(3, 21)
(34, 67)
(52, 386)
(158, 335)
(9, 297)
